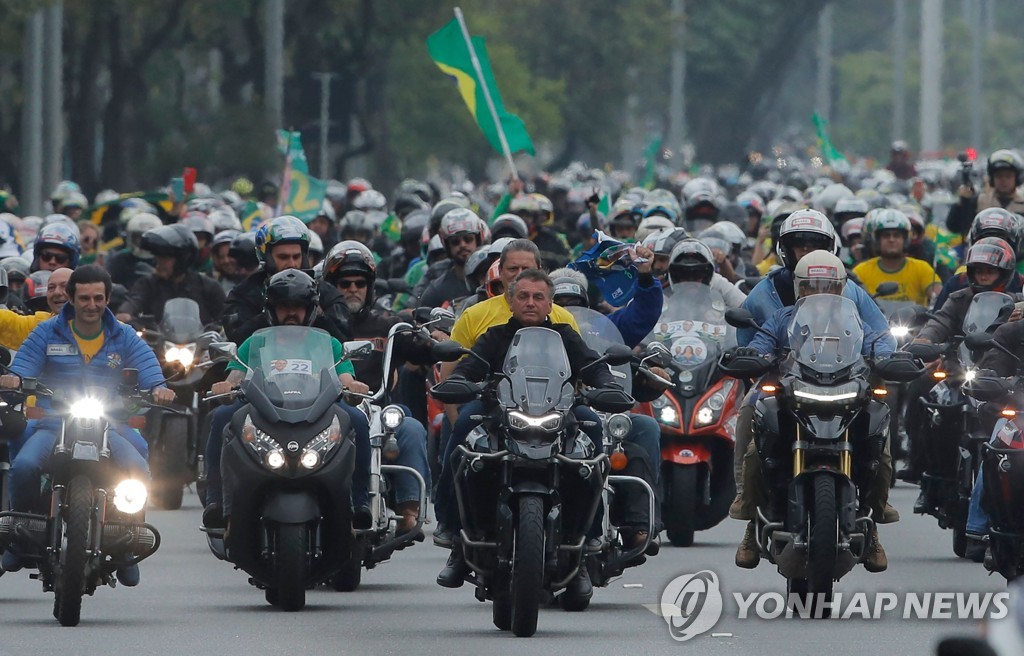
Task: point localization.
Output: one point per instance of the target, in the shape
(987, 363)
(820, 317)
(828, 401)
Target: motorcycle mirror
(979, 341)
(618, 354)
(744, 366)
(900, 368)
(988, 388)
(448, 351)
(357, 350)
(130, 377)
(740, 318)
(223, 351)
(886, 289)
(926, 352)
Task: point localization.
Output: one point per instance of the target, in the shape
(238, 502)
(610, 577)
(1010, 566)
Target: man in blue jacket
(84, 346)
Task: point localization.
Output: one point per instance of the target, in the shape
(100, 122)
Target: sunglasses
(50, 256)
(346, 284)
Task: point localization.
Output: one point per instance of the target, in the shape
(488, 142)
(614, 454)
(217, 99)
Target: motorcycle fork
(798, 453)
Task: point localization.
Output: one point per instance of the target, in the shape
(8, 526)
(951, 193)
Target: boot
(454, 573)
(580, 587)
(410, 515)
(975, 548)
(921, 505)
(748, 555)
(875, 560)
(889, 516)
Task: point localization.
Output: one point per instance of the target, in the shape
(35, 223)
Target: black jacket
(493, 346)
(126, 268)
(446, 289)
(374, 325)
(243, 312)
(1011, 336)
(148, 295)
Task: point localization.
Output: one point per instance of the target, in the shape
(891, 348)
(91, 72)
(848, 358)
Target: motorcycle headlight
(87, 408)
(668, 416)
(970, 375)
(318, 448)
(710, 409)
(805, 392)
(392, 417)
(619, 426)
(274, 459)
(184, 354)
(549, 422)
(705, 416)
(130, 496)
(899, 332)
(309, 459)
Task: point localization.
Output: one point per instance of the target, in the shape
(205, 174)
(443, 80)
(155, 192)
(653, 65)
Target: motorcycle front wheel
(73, 554)
(527, 566)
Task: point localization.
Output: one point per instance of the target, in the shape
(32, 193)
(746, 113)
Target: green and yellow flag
(828, 151)
(449, 51)
(302, 195)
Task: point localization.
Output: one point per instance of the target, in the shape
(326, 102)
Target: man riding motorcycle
(1005, 173)
(175, 249)
(128, 264)
(15, 328)
(916, 279)
(292, 299)
(462, 232)
(816, 273)
(84, 346)
(350, 267)
(56, 246)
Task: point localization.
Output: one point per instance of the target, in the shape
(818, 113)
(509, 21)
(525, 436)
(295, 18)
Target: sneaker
(128, 575)
(454, 573)
(748, 554)
(874, 558)
(11, 562)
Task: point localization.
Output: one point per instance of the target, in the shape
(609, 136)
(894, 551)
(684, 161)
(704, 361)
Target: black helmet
(175, 240)
(413, 225)
(292, 286)
(243, 251)
(408, 202)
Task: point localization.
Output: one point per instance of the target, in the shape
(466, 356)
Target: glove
(746, 351)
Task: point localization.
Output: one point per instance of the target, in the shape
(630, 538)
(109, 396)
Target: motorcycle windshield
(537, 368)
(292, 360)
(826, 335)
(692, 325)
(988, 310)
(181, 323)
(599, 333)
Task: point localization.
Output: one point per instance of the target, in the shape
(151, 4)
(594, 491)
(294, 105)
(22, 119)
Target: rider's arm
(138, 298)
(942, 326)
(137, 354)
(581, 355)
(1010, 336)
(732, 296)
(867, 308)
(773, 333)
(31, 357)
(637, 320)
(15, 328)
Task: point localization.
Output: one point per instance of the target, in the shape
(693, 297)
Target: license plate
(85, 451)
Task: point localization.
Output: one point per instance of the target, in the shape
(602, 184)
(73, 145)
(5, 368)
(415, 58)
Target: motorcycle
(92, 519)
(287, 465)
(528, 483)
(698, 414)
(376, 544)
(611, 557)
(177, 438)
(956, 431)
(820, 430)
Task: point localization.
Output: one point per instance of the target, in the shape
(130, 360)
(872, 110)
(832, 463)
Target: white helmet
(819, 272)
(809, 226)
(653, 224)
(316, 245)
(137, 225)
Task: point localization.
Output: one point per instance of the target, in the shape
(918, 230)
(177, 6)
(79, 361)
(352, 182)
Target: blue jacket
(763, 301)
(637, 320)
(778, 327)
(50, 353)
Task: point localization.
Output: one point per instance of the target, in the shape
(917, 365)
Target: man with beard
(461, 232)
(351, 269)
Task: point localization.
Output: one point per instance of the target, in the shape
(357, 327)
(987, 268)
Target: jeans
(412, 445)
(445, 505)
(977, 518)
(35, 452)
(222, 417)
(14, 446)
(646, 434)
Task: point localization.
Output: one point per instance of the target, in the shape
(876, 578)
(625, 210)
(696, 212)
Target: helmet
(316, 245)
(105, 196)
(663, 242)
(435, 249)
(852, 228)
(462, 221)
(224, 218)
(413, 225)
(728, 231)
(443, 207)
(60, 236)
(34, 294)
(327, 212)
(370, 199)
(336, 191)
(63, 188)
(569, 292)
(64, 219)
(890, 219)
(408, 202)
(74, 200)
(137, 226)
(417, 188)
(292, 286)
(224, 237)
(997, 222)
(827, 198)
(819, 272)
(1005, 159)
(282, 230)
(691, 260)
(994, 252)
(809, 226)
(243, 251)
(479, 261)
(510, 225)
(899, 146)
(199, 224)
(242, 186)
(545, 210)
(17, 269)
(175, 240)
(652, 225)
(348, 258)
(849, 208)
(657, 208)
(358, 185)
(493, 283)
(751, 201)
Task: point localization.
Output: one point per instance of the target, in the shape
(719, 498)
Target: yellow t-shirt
(766, 265)
(475, 321)
(88, 346)
(914, 279)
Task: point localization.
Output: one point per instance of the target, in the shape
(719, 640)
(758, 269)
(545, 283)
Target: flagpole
(487, 92)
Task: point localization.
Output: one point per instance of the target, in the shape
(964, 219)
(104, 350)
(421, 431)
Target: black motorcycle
(177, 434)
(820, 429)
(528, 482)
(92, 519)
(956, 430)
(287, 466)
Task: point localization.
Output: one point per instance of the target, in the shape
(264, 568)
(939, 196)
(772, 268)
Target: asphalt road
(191, 603)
